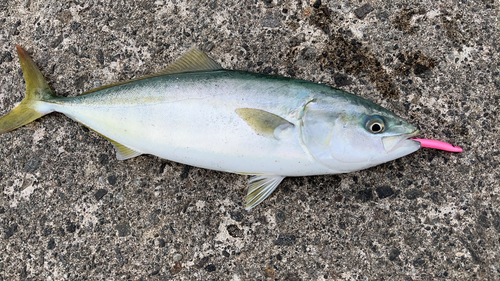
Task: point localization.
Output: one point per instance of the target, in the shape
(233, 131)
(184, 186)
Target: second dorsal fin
(193, 61)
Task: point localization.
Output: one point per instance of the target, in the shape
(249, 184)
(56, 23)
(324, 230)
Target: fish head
(350, 136)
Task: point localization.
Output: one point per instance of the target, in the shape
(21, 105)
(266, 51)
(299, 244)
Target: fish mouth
(392, 143)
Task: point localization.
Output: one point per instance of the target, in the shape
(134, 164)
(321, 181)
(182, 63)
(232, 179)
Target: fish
(197, 113)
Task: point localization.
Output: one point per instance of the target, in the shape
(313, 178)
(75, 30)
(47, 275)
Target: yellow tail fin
(37, 89)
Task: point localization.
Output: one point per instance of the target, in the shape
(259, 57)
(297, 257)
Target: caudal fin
(37, 90)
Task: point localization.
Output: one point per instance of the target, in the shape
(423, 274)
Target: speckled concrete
(70, 211)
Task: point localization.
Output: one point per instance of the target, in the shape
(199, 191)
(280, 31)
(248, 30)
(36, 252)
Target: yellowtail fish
(197, 113)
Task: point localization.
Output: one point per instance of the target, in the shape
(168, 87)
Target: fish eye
(375, 125)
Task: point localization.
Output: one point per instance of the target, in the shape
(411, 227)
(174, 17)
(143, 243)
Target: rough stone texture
(364, 10)
(70, 211)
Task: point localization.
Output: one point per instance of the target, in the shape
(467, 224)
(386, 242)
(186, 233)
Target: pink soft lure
(439, 145)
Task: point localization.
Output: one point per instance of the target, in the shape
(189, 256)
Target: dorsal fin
(193, 61)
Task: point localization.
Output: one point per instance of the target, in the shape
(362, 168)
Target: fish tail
(37, 90)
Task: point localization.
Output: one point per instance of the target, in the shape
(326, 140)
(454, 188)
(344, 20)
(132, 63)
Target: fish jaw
(401, 147)
(392, 143)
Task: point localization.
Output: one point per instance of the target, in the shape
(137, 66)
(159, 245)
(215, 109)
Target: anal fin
(124, 152)
(260, 187)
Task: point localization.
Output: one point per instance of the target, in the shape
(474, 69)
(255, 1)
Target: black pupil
(376, 127)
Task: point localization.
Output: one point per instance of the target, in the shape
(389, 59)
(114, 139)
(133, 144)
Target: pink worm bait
(439, 145)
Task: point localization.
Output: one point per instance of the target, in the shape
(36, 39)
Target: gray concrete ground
(70, 211)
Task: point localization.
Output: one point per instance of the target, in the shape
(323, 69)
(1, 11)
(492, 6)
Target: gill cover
(320, 133)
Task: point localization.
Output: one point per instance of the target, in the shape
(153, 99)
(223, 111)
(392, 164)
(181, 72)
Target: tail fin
(37, 89)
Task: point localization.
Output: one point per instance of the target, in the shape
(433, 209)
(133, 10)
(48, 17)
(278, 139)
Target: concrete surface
(70, 211)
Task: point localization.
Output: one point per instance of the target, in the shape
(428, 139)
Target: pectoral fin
(264, 123)
(260, 187)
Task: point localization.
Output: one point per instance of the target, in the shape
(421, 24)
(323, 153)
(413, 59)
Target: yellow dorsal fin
(193, 61)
